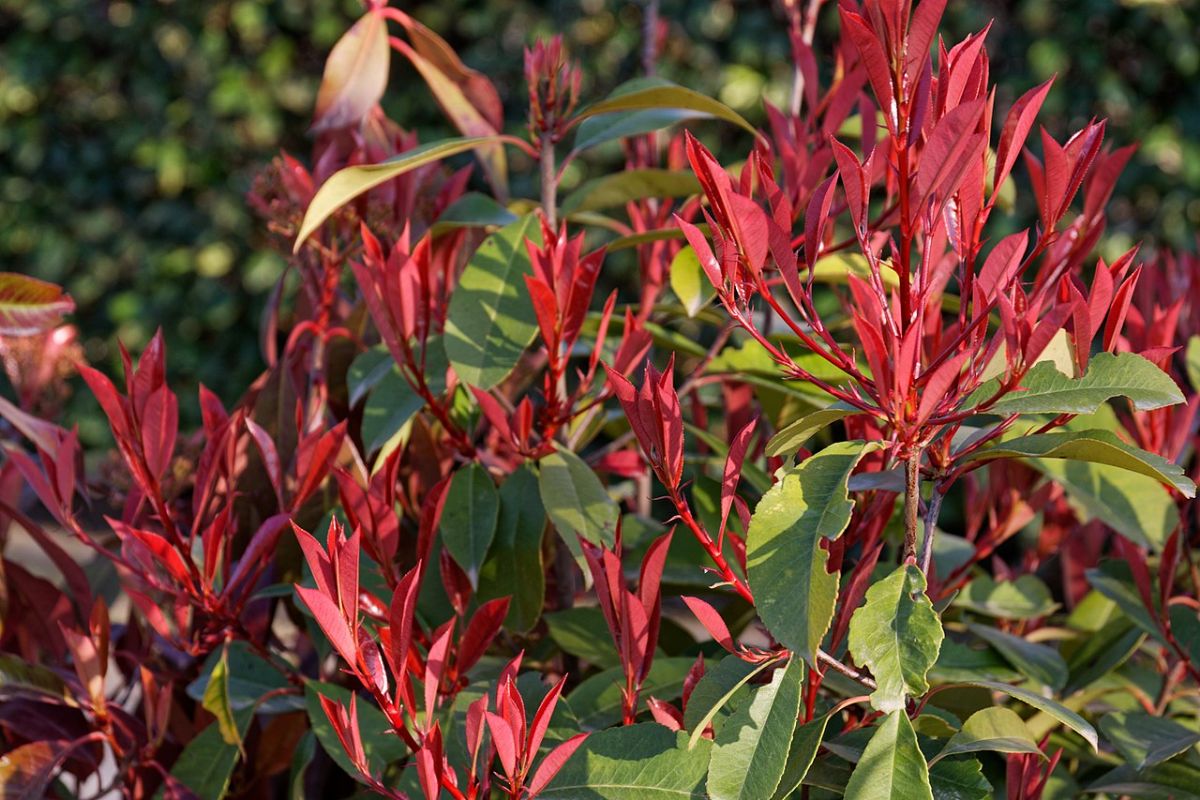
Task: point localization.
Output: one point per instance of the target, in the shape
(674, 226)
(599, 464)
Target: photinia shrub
(816, 469)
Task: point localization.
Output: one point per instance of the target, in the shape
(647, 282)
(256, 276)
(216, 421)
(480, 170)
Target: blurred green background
(130, 130)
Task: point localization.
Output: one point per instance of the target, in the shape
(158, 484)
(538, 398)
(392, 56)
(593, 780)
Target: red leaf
(331, 621)
(712, 622)
(541, 721)
(1016, 129)
(874, 59)
(400, 620)
(160, 423)
(552, 763)
(505, 742)
(481, 630)
(435, 667)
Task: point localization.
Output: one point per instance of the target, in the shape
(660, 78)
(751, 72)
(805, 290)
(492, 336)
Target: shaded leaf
(469, 518)
(1024, 597)
(714, 691)
(381, 745)
(666, 96)
(1037, 661)
(597, 700)
(206, 765)
(806, 741)
(490, 320)
(514, 567)
(959, 779)
(576, 501)
(618, 188)
(1145, 740)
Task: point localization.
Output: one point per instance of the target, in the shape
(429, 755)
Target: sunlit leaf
(29, 305)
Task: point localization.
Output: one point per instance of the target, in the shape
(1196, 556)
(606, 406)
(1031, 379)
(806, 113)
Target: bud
(553, 88)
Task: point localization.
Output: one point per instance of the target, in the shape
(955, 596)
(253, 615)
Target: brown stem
(931, 516)
(912, 501)
(848, 671)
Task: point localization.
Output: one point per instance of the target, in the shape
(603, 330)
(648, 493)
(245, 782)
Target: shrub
(572, 539)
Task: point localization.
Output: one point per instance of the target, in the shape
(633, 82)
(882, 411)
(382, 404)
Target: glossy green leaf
(207, 762)
(349, 182)
(1060, 712)
(1024, 597)
(248, 678)
(490, 320)
(897, 634)
(750, 751)
(1037, 661)
(514, 567)
(1146, 740)
(391, 402)
(578, 504)
(714, 690)
(666, 96)
(618, 188)
(583, 633)
(892, 767)
(1102, 651)
(786, 565)
(1097, 446)
(793, 435)
(688, 281)
(1175, 780)
(636, 762)
(996, 729)
(959, 779)
(1185, 627)
(806, 741)
(469, 518)
(1048, 391)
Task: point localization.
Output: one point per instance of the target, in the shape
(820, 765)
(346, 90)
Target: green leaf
(666, 96)
(750, 751)
(610, 127)
(1098, 446)
(473, 210)
(381, 745)
(391, 402)
(786, 565)
(636, 762)
(1139, 508)
(806, 741)
(490, 320)
(996, 729)
(1037, 661)
(578, 504)
(1114, 580)
(469, 518)
(1145, 740)
(597, 700)
(892, 765)
(1185, 626)
(688, 281)
(514, 567)
(1061, 713)
(1192, 358)
(1048, 391)
(348, 183)
(714, 691)
(618, 188)
(18, 676)
(898, 635)
(1023, 598)
(583, 633)
(207, 762)
(1103, 651)
(216, 701)
(1176, 780)
(248, 678)
(788, 440)
(959, 779)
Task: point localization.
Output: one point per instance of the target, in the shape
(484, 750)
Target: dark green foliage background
(130, 130)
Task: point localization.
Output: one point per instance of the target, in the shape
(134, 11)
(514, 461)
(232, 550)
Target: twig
(849, 672)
